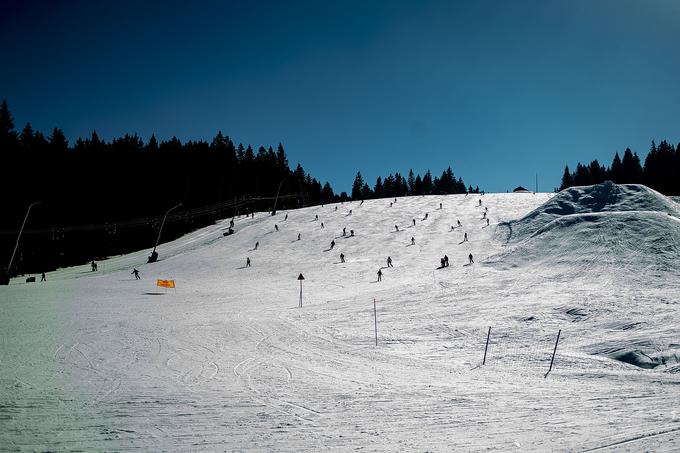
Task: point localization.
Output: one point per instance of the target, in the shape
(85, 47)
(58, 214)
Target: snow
(227, 362)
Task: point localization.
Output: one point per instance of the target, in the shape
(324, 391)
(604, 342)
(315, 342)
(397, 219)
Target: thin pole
(554, 351)
(277, 196)
(16, 246)
(536, 182)
(162, 224)
(488, 335)
(375, 319)
(300, 293)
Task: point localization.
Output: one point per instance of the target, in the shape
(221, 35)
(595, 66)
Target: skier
(413, 241)
(344, 231)
(396, 227)
(459, 224)
(484, 215)
(342, 257)
(247, 261)
(257, 244)
(286, 217)
(298, 236)
(452, 228)
(362, 202)
(332, 244)
(480, 201)
(487, 221)
(42, 277)
(414, 222)
(440, 205)
(442, 263)
(426, 214)
(465, 238)
(351, 233)
(350, 212)
(231, 223)
(252, 216)
(379, 275)
(446, 261)
(470, 259)
(322, 227)
(276, 227)
(336, 208)
(135, 272)
(94, 266)
(390, 204)
(389, 262)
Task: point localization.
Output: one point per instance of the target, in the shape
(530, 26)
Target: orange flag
(165, 283)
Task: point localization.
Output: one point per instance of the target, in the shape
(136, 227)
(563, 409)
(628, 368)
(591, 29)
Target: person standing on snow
(396, 227)
(342, 257)
(413, 241)
(465, 238)
(247, 261)
(298, 236)
(471, 261)
(379, 275)
(389, 262)
(332, 244)
(257, 244)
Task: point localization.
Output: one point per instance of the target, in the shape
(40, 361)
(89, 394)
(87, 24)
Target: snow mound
(622, 229)
(605, 197)
(620, 240)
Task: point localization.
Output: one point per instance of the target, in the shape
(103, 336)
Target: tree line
(105, 183)
(397, 186)
(660, 171)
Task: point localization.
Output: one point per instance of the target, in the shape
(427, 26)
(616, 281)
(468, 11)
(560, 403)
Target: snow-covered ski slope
(228, 362)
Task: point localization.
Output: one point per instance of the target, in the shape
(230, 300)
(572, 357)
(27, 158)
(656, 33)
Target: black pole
(488, 335)
(300, 293)
(4, 278)
(375, 318)
(554, 351)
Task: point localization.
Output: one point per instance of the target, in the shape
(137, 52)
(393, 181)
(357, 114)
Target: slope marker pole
(488, 335)
(375, 320)
(553, 354)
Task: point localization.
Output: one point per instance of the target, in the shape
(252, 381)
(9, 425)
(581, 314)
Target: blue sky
(498, 90)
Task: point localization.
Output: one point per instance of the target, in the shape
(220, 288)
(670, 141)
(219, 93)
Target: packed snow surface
(227, 361)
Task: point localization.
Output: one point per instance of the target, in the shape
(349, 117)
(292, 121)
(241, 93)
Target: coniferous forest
(100, 198)
(660, 171)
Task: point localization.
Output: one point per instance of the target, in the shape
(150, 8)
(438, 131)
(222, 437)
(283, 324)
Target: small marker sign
(165, 283)
(300, 278)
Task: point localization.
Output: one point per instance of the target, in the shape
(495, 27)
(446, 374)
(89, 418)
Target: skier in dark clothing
(298, 236)
(342, 257)
(286, 217)
(446, 261)
(316, 217)
(322, 227)
(344, 231)
(389, 262)
(459, 224)
(247, 261)
(332, 244)
(135, 272)
(351, 233)
(42, 277)
(379, 275)
(94, 266)
(426, 214)
(276, 227)
(440, 205)
(470, 258)
(257, 244)
(480, 202)
(396, 227)
(414, 222)
(413, 241)
(465, 238)
(442, 263)
(487, 221)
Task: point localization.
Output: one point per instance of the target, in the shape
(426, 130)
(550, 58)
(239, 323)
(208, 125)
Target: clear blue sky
(498, 90)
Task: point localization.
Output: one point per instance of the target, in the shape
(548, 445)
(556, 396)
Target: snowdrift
(617, 227)
(605, 197)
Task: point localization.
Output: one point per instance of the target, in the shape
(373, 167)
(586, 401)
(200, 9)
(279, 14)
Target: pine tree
(58, 141)
(8, 137)
(378, 189)
(357, 186)
(26, 136)
(411, 182)
(427, 183)
(616, 171)
(567, 180)
(152, 145)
